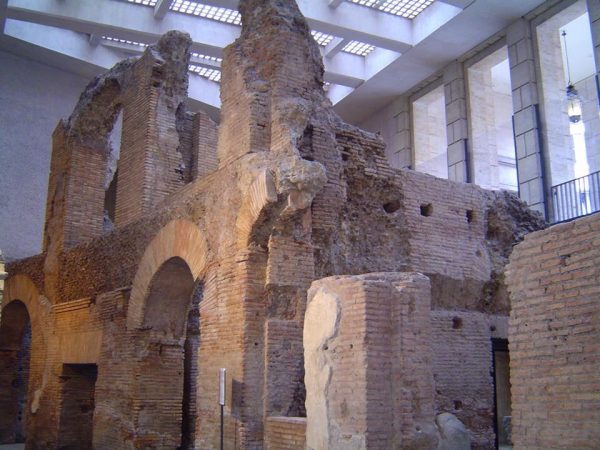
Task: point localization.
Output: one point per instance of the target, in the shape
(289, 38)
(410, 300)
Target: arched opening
(15, 347)
(171, 336)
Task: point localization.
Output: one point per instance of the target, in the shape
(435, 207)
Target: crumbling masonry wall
(554, 336)
(214, 250)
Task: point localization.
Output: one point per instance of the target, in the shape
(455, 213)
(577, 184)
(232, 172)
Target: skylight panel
(124, 41)
(208, 12)
(211, 74)
(144, 2)
(207, 58)
(322, 38)
(408, 9)
(358, 48)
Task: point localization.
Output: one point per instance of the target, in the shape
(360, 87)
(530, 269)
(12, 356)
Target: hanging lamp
(573, 99)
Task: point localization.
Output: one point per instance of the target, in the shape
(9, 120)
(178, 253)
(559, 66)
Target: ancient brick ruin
(353, 305)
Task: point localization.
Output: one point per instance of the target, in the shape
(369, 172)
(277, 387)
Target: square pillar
(526, 125)
(456, 122)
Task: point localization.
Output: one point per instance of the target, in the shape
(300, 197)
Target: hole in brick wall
(112, 168)
(305, 144)
(470, 215)
(457, 323)
(426, 209)
(391, 207)
(15, 345)
(345, 156)
(457, 404)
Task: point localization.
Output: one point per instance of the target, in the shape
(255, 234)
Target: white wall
(490, 109)
(33, 98)
(429, 133)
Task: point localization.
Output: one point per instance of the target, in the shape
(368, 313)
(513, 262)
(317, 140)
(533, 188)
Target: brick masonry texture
(216, 238)
(554, 337)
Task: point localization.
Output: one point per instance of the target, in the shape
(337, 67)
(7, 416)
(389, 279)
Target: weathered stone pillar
(525, 119)
(456, 122)
(367, 362)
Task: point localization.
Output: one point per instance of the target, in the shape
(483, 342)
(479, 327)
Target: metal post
(222, 375)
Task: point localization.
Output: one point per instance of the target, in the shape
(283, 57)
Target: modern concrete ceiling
(67, 34)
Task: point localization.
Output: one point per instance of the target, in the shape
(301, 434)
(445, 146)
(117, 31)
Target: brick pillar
(401, 154)
(74, 206)
(204, 146)
(152, 164)
(456, 122)
(525, 119)
(368, 376)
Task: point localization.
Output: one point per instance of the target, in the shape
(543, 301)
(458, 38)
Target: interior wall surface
(429, 133)
(490, 105)
(33, 98)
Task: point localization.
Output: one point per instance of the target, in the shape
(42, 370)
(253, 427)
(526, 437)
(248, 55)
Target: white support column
(402, 155)
(525, 119)
(456, 122)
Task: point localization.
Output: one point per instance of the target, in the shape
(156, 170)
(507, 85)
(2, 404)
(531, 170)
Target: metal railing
(576, 198)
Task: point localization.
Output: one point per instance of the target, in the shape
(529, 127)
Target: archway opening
(171, 336)
(15, 349)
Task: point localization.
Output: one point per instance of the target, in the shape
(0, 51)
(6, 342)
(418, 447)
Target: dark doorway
(15, 348)
(502, 410)
(77, 406)
(190, 371)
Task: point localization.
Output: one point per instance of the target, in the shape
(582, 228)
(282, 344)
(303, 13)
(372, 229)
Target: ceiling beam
(349, 21)
(60, 44)
(131, 22)
(3, 7)
(123, 20)
(94, 40)
(162, 8)
(334, 47)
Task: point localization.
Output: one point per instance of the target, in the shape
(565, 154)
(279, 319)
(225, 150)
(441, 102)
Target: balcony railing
(576, 198)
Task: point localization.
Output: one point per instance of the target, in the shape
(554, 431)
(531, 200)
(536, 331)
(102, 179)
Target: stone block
(529, 168)
(454, 434)
(456, 110)
(522, 73)
(517, 31)
(456, 152)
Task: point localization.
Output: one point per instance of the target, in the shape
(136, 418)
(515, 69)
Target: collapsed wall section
(554, 336)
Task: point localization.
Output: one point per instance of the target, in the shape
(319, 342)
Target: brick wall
(204, 146)
(285, 433)
(368, 373)
(462, 370)
(554, 335)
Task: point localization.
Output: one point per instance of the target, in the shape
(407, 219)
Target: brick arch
(179, 238)
(21, 287)
(21, 292)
